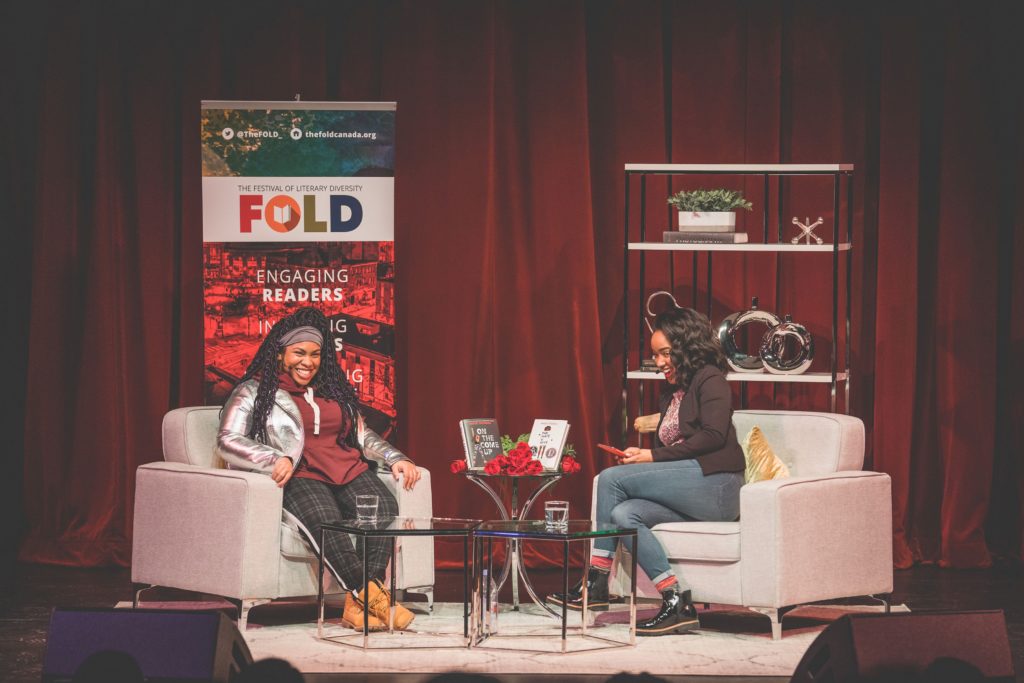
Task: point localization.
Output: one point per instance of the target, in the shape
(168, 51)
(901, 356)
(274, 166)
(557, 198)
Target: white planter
(707, 221)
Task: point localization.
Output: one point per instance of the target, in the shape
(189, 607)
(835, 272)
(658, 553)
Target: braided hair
(694, 342)
(329, 382)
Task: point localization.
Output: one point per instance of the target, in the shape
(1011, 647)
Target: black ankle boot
(677, 615)
(597, 593)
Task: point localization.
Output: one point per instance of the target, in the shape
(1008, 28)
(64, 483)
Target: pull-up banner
(298, 210)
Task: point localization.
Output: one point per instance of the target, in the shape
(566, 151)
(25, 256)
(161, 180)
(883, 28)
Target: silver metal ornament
(738, 360)
(650, 313)
(780, 356)
(807, 230)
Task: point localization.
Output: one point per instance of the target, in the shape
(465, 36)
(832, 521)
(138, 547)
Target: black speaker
(167, 644)
(880, 647)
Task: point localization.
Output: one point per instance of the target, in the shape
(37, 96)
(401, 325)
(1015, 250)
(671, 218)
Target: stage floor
(33, 590)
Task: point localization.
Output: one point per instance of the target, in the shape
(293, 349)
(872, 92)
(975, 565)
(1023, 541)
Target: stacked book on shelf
(687, 237)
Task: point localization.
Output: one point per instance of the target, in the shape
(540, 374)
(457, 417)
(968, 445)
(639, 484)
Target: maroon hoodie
(323, 458)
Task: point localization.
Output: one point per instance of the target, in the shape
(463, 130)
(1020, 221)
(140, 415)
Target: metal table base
(514, 557)
(523, 530)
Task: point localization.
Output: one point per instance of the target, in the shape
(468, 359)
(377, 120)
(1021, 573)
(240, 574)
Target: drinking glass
(556, 514)
(366, 508)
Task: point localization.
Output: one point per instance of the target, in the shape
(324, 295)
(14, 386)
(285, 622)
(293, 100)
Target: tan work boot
(353, 616)
(380, 604)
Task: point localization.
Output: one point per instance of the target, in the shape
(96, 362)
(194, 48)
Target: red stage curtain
(514, 122)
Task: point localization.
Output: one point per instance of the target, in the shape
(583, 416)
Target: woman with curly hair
(295, 416)
(694, 472)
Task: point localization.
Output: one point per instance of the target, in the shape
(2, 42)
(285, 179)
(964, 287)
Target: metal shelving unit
(842, 244)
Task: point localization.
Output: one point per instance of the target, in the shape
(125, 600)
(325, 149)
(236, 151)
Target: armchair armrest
(415, 503)
(804, 539)
(208, 530)
(414, 565)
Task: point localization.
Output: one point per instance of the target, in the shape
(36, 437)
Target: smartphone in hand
(610, 449)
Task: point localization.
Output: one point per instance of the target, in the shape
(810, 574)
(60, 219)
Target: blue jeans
(647, 494)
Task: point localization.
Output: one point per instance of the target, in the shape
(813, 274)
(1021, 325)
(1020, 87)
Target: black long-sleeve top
(705, 423)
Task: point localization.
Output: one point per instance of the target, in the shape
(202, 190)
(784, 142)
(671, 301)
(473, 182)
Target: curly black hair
(694, 342)
(329, 382)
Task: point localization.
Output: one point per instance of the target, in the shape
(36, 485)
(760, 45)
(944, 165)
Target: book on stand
(547, 440)
(676, 237)
(481, 441)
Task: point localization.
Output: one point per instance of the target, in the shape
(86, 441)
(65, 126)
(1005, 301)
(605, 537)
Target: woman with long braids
(295, 416)
(694, 472)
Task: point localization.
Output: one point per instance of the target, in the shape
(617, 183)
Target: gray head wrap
(301, 334)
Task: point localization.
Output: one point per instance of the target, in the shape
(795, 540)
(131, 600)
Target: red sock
(665, 583)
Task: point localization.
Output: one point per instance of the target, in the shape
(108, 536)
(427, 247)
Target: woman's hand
(409, 470)
(282, 471)
(635, 455)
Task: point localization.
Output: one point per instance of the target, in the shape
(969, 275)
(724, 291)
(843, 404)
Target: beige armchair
(224, 532)
(823, 533)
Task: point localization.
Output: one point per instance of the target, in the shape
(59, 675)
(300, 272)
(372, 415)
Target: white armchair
(224, 532)
(823, 533)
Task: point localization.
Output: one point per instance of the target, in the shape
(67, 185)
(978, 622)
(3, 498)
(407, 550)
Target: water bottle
(491, 617)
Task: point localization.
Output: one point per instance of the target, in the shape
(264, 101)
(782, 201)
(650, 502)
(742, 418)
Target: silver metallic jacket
(284, 433)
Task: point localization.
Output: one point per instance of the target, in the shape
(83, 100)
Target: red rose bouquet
(518, 460)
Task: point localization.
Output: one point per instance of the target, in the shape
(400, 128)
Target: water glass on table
(366, 508)
(556, 514)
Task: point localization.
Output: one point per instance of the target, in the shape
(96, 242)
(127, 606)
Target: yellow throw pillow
(762, 463)
(646, 424)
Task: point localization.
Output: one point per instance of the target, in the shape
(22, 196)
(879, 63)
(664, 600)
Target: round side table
(513, 512)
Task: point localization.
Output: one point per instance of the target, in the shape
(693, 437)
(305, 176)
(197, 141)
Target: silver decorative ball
(780, 356)
(738, 360)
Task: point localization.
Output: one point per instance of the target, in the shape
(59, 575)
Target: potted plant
(708, 210)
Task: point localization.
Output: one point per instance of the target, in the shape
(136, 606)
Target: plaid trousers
(315, 503)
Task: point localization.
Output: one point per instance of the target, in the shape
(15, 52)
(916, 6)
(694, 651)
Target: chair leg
(137, 589)
(427, 591)
(775, 614)
(243, 606)
(884, 599)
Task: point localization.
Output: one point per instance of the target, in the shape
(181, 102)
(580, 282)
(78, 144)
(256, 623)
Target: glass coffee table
(394, 528)
(524, 530)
